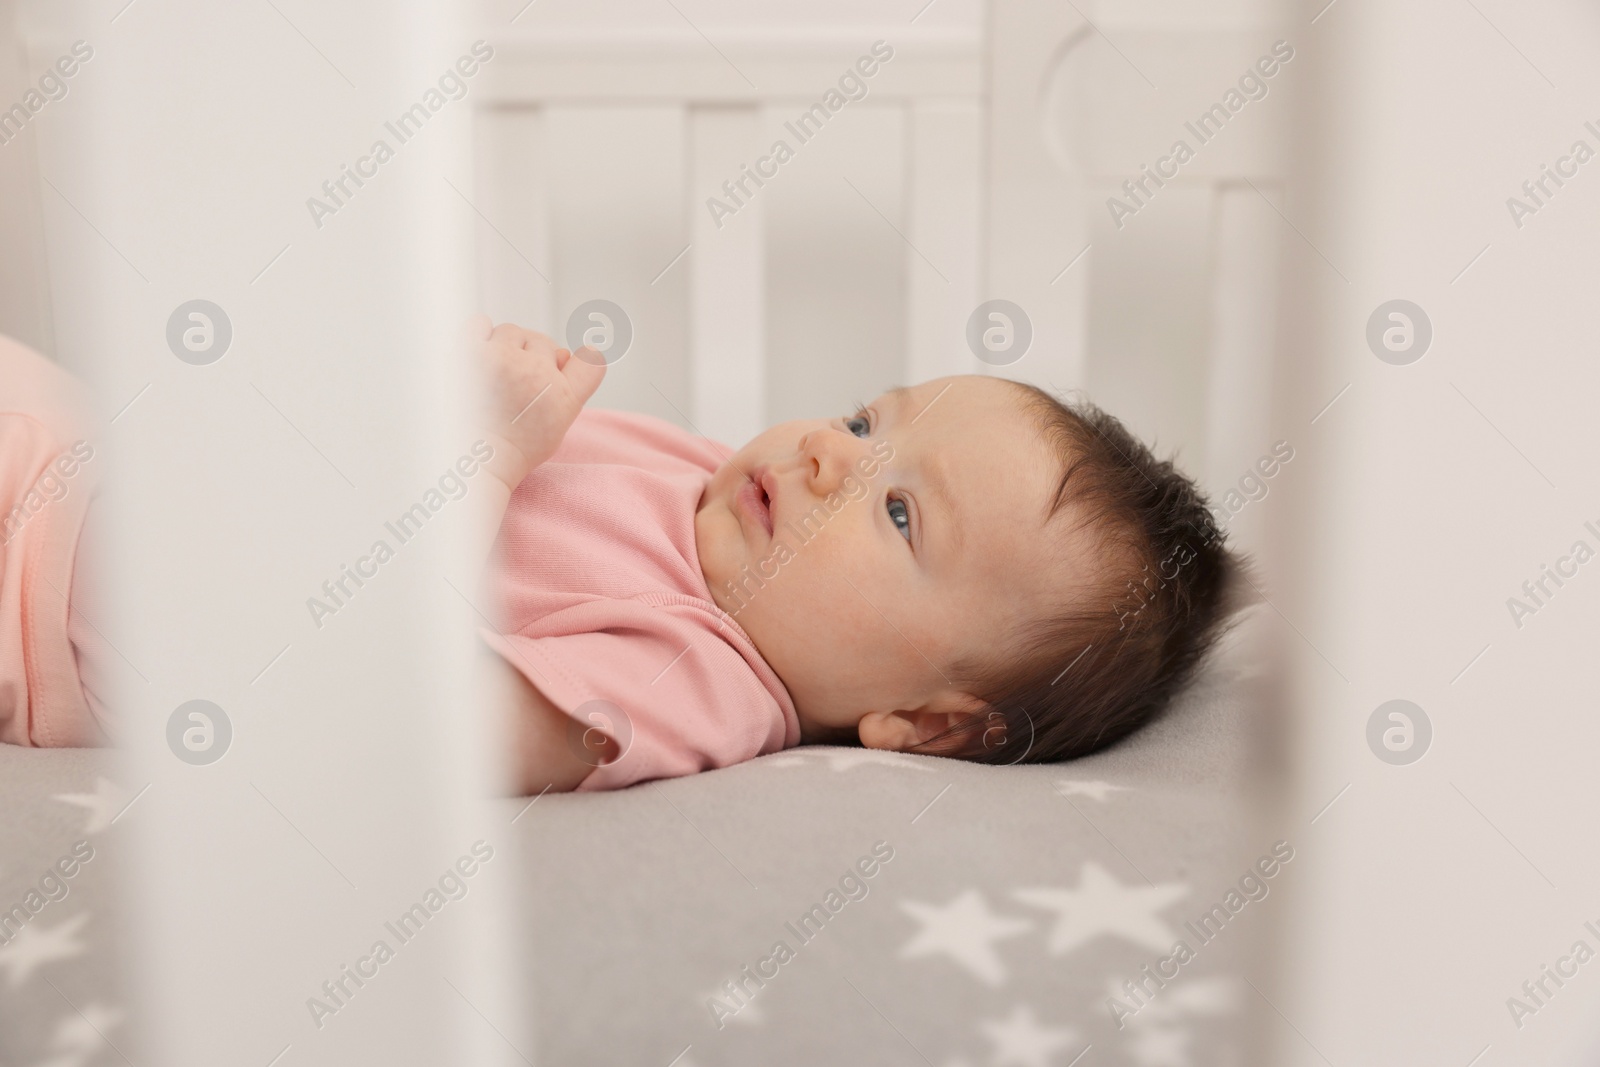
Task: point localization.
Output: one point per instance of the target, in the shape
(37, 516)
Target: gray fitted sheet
(1017, 902)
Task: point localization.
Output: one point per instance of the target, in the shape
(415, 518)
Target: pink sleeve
(47, 477)
(687, 700)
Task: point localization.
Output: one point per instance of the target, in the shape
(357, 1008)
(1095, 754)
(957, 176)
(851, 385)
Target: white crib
(977, 167)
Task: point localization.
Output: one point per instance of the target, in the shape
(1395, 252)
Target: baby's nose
(829, 454)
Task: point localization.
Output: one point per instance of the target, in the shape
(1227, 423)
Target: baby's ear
(902, 731)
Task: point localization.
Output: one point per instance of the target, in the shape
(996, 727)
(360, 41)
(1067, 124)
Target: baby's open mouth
(753, 497)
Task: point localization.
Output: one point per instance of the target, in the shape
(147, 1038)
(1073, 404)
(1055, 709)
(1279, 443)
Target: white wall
(24, 292)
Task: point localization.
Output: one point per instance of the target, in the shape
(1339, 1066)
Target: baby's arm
(535, 392)
(546, 741)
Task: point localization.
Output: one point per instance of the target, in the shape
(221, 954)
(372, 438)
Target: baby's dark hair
(1107, 663)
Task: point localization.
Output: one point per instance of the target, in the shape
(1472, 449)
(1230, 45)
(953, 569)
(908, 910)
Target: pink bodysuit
(47, 476)
(605, 610)
(607, 614)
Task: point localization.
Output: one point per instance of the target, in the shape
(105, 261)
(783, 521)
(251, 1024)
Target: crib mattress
(820, 905)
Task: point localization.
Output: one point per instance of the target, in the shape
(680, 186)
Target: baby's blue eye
(900, 515)
(859, 424)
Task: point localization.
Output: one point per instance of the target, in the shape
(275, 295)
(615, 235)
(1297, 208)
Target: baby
(965, 568)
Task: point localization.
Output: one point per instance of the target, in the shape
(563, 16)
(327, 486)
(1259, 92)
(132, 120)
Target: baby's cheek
(797, 588)
(852, 606)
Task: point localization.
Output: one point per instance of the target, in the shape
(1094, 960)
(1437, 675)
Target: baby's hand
(535, 392)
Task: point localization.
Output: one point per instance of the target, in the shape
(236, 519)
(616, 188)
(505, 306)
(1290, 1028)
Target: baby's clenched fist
(535, 391)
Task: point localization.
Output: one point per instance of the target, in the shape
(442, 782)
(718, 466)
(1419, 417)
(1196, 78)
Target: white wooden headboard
(597, 152)
(977, 167)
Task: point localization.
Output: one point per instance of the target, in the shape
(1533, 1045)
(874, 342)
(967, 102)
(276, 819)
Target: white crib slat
(835, 230)
(510, 189)
(1244, 291)
(617, 223)
(24, 271)
(727, 315)
(1037, 227)
(943, 175)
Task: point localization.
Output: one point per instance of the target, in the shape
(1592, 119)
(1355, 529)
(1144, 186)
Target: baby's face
(866, 554)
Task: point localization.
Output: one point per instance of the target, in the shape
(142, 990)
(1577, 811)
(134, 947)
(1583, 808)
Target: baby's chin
(717, 540)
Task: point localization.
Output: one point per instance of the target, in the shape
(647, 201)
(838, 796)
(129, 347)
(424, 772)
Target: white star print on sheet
(844, 759)
(1103, 905)
(1019, 1040)
(34, 946)
(1158, 1033)
(79, 1037)
(1212, 995)
(750, 1014)
(1161, 1046)
(103, 805)
(965, 930)
(1097, 791)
